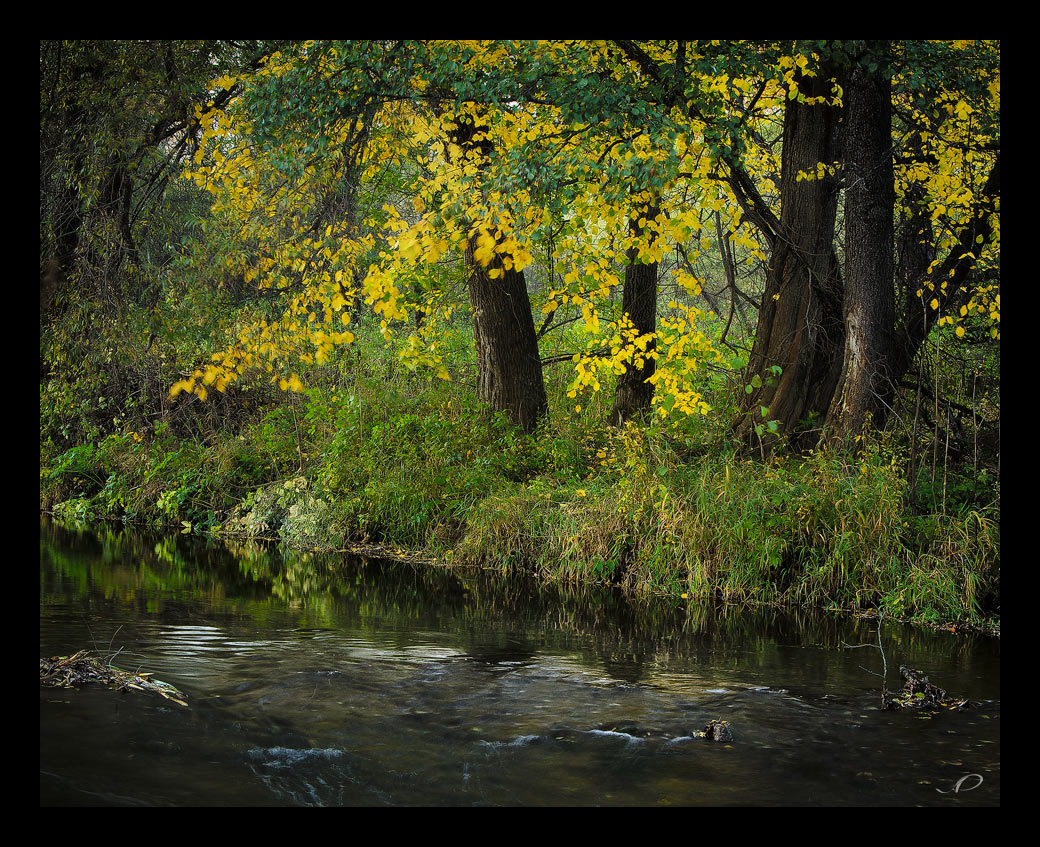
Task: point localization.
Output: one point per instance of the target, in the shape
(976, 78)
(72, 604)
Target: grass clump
(825, 529)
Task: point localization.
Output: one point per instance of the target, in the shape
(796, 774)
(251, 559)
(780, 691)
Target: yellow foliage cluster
(948, 172)
(267, 215)
(457, 207)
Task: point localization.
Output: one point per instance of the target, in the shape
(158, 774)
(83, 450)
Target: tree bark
(800, 327)
(866, 384)
(634, 395)
(509, 370)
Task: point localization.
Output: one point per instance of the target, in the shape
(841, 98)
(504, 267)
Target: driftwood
(81, 669)
(919, 693)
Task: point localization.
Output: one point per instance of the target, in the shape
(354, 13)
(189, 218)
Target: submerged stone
(718, 731)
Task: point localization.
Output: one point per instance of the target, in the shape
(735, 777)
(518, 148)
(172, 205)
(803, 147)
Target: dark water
(365, 683)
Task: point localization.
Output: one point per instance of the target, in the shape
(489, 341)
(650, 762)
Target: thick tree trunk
(509, 370)
(800, 328)
(634, 395)
(866, 387)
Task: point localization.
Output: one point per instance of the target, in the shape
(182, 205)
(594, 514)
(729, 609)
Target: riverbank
(639, 508)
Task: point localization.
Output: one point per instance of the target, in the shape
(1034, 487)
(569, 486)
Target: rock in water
(718, 731)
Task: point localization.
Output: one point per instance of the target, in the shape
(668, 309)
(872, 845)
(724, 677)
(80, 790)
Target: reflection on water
(344, 681)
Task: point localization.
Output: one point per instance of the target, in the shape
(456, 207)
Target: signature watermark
(968, 782)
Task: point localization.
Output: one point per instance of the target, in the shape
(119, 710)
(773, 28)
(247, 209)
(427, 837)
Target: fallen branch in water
(81, 668)
(917, 692)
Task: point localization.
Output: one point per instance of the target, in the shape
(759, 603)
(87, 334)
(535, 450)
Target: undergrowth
(382, 457)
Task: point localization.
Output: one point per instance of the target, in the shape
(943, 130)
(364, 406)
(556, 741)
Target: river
(346, 681)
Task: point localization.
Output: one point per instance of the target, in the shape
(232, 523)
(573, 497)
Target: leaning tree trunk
(634, 394)
(954, 271)
(800, 328)
(509, 370)
(866, 387)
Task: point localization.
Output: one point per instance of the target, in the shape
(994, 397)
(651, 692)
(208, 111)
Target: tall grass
(821, 530)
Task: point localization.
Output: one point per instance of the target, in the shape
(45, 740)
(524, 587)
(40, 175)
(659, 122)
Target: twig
(884, 661)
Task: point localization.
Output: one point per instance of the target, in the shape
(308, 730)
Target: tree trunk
(634, 395)
(915, 237)
(920, 318)
(866, 384)
(509, 370)
(800, 328)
